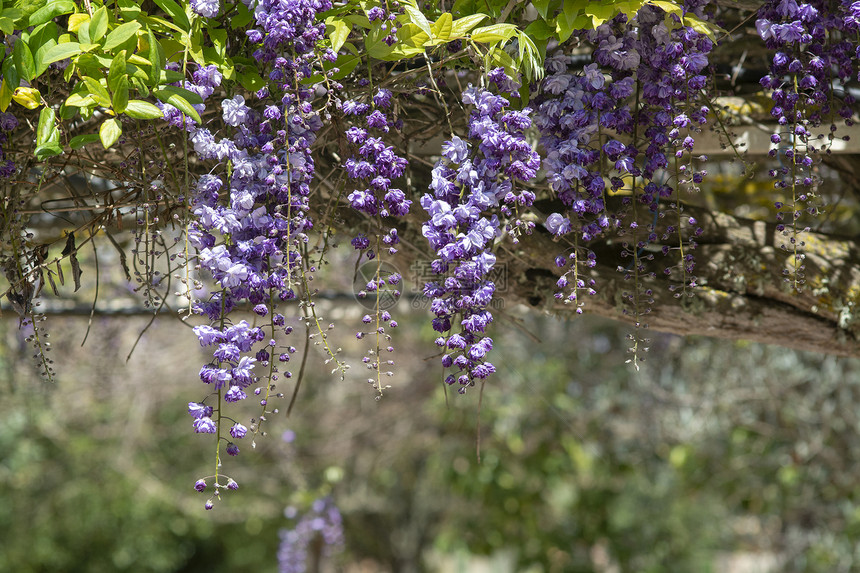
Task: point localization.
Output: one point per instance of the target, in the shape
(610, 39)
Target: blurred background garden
(716, 456)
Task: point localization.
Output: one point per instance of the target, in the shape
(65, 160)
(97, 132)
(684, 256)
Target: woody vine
(243, 140)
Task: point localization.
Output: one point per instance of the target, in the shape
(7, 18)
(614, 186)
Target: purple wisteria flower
(467, 182)
(323, 522)
(206, 8)
(250, 222)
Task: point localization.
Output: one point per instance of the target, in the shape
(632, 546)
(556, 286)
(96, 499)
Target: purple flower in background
(206, 8)
(323, 521)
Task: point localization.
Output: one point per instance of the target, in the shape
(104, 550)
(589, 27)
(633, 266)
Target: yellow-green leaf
(339, 32)
(178, 102)
(109, 132)
(99, 24)
(139, 109)
(79, 100)
(442, 27)
(121, 34)
(5, 96)
(97, 91)
(416, 16)
(27, 97)
(120, 95)
(75, 21)
(462, 26)
(494, 33)
(61, 52)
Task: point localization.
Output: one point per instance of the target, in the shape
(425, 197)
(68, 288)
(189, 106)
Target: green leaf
(30, 98)
(494, 33)
(176, 12)
(169, 76)
(47, 151)
(668, 7)
(376, 47)
(218, 38)
(542, 6)
(99, 24)
(97, 91)
(139, 109)
(540, 30)
(242, 17)
(50, 11)
(79, 141)
(41, 40)
(10, 73)
(12, 13)
(499, 57)
(116, 70)
(359, 20)
(47, 131)
(572, 9)
(109, 132)
(346, 63)
(5, 96)
(61, 52)
(7, 25)
(188, 96)
(250, 80)
(340, 30)
(128, 9)
(441, 29)
(80, 100)
(43, 34)
(416, 16)
(84, 33)
(120, 95)
(142, 88)
(23, 58)
(462, 26)
(410, 37)
(530, 58)
(156, 56)
(121, 34)
(178, 102)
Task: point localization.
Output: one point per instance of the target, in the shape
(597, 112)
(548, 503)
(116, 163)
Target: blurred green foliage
(714, 448)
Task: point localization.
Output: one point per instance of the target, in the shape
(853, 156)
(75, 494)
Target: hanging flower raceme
(8, 123)
(251, 213)
(474, 182)
(626, 122)
(815, 50)
(371, 172)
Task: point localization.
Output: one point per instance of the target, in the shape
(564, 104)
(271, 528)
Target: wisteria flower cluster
(813, 58)
(472, 180)
(624, 122)
(372, 169)
(8, 123)
(249, 227)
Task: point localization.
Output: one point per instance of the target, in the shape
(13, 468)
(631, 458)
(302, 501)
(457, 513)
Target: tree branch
(742, 292)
